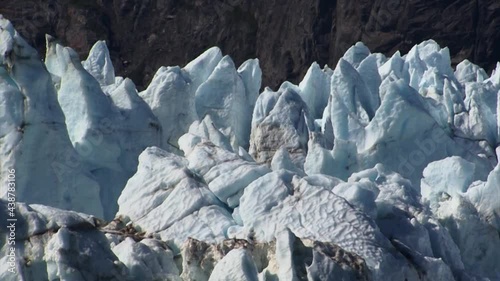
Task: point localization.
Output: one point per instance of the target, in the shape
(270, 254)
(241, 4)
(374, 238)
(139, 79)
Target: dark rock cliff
(286, 35)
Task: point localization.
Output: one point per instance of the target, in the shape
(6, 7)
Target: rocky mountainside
(286, 36)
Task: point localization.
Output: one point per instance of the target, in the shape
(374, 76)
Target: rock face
(286, 36)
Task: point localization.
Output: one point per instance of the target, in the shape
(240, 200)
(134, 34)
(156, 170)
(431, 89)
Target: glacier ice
(99, 64)
(356, 54)
(330, 261)
(485, 196)
(237, 265)
(450, 176)
(54, 244)
(383, 168)
(147, 260)
(468, 72)
(209, 86)
(223, 96)
(203, 66)
(314, 90)
(477, 240)
(280, 119)
(170, 97)
(100, 124)
(34, 134)
(251, 75)
(282, 161)
(84, 105)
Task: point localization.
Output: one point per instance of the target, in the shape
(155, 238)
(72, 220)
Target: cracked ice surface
(377, 169)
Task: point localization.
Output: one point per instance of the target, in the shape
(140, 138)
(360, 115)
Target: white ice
(380, 169)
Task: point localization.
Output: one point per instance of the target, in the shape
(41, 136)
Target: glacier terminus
(381, 168)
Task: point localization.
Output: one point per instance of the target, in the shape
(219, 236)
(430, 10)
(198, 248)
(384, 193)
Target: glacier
(381, 168)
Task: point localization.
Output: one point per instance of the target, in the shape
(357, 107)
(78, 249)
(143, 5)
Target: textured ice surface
(147, 260)
(237, 265)
(53, 244)
(486, 197)
(315, 89)
(170, 97)
(280, 119)
(223, 97)
(99, 64)
(34, 138)
(379, 169)
(110, 126)
(450, 176)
